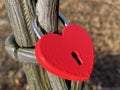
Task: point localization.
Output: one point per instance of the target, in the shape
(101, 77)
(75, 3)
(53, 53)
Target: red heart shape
(70, 55)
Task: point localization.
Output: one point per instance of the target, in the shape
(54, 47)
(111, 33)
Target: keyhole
(75, 56)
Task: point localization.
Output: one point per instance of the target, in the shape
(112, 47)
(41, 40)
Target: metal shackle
(39, 34)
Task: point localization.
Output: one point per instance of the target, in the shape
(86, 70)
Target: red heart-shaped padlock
(70, 55)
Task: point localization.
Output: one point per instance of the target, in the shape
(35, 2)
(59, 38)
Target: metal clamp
(25, 55)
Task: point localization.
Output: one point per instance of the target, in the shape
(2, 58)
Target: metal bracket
(24, 55)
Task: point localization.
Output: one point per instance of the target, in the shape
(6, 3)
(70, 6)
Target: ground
(100, 18)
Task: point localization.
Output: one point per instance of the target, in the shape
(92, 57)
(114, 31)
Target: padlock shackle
(63, 19)
(39, 34)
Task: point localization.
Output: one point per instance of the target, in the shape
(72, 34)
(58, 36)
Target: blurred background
(101, 18)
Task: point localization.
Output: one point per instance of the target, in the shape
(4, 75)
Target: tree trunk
(20, 14)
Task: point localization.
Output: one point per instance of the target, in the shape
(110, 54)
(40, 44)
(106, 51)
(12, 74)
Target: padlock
(69, 55)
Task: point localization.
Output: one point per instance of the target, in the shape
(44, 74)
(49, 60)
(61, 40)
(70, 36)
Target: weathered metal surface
(24, 55)
(11, 46)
